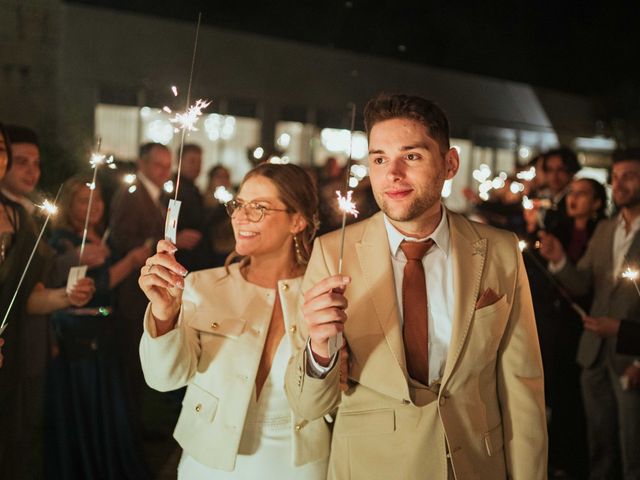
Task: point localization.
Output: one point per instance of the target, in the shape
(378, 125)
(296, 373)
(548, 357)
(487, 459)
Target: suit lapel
(375, 262)
(469, 252)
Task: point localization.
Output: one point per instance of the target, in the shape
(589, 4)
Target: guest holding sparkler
(612, 411)
(586, 202)
(137, 218)
(90, 434)
(446, 378)
(228, 333)
(25, 341)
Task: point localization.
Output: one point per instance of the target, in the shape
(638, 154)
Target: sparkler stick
(346, 205)
(96, 160)
(51, 209)
(187, 120)
(554, 282)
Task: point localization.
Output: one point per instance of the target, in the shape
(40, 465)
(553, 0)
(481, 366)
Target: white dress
(266, 450)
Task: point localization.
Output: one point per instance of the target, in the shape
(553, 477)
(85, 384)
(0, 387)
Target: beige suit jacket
(215, 350)
(491, 401)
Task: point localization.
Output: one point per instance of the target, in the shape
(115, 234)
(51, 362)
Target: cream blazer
(491, 400)
(215, 350)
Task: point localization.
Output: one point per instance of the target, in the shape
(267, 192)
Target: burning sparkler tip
(346, 204)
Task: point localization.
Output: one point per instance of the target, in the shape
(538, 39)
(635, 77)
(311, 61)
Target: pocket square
(489, 297)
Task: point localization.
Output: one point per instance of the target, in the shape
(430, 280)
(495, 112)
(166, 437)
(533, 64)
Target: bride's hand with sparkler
(324, 311)
(162, 280)
(550, 247)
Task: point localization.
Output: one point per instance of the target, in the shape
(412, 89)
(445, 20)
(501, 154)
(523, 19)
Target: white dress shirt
(152, 189)
(621, 243)
(438, 268)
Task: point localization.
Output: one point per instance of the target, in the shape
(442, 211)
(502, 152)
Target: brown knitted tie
(415, 329)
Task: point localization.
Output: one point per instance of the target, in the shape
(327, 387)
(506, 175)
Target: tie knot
(416, 250)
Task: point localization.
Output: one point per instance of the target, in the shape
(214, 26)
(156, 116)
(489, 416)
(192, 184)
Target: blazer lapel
(375, 261)
(469, 252)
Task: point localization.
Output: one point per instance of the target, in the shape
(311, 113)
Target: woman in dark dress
(89, 433)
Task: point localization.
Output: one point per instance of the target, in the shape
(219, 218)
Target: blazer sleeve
(578, 279)
(521, 386)
(311, 398)
(170, 361)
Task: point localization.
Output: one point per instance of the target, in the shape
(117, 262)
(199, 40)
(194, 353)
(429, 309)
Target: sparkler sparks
(186, 121)
(48, 207)
(630, 274)
(98, 159)
(347, 205)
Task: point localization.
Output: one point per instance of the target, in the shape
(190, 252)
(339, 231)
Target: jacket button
(298, 427)
(293, 329)
(215, 325)
(285, 286)
(198, 407)
(442, 401)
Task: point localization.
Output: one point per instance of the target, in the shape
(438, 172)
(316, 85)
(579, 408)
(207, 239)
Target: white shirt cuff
(314, 369)
(556, 267)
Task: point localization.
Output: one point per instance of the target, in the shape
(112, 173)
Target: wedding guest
(89, 432)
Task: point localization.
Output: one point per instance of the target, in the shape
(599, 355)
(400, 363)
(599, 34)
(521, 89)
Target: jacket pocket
(491, 309)
(200, 403)
(494, 440)
(366, 422)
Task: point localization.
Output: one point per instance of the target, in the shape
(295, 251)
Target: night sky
(583, 47)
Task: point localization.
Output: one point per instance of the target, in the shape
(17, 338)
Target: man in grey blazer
(609, 379)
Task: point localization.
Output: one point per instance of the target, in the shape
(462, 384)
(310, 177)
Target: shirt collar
(153, 190)
(440, 235)
(635, 225)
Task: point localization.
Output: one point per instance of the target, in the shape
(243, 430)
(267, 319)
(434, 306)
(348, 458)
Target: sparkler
(50, 209)
(186, 120)
(348, 207)
(524, 248)
(96, 160)
(632, 275)
(345, 203)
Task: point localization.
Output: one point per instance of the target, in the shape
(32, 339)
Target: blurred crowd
(72, 350)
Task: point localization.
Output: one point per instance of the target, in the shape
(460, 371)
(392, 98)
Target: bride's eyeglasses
(253, 211)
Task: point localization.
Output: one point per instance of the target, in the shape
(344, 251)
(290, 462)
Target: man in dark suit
(194, 254)
(137, 217)
(612, 406)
